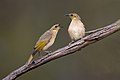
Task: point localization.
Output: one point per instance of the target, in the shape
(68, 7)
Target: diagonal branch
(94, 36)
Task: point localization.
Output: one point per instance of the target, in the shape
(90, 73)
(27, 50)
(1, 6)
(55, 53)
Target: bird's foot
(47, 52)
(71, 42)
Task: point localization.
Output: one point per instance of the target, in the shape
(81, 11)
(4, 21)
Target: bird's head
(55, 27)
(73, 16)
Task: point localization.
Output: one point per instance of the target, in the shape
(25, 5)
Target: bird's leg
(39, 54)
(47, 52)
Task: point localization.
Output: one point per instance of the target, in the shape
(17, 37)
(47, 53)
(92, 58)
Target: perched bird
(76, 28)
(45, 41)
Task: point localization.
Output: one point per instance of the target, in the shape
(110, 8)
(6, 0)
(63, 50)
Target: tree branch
(94, 35)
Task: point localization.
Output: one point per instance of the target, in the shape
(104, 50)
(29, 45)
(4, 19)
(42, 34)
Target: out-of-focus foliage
(23, 21)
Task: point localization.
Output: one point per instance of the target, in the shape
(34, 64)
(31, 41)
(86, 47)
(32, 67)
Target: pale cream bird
(76, 28)
(45, 41)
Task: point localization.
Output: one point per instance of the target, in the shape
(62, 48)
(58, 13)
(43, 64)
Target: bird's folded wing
(43, 40)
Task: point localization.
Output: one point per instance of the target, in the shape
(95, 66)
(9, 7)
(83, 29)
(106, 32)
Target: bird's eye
(56, 26)
(71, 15)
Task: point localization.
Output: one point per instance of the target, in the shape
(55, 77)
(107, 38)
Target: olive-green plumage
(45, 41)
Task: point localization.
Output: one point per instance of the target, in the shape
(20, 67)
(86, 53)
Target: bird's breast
(76, 26)
(76, 29)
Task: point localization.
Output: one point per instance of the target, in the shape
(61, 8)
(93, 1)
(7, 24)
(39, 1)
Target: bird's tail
(31, 56)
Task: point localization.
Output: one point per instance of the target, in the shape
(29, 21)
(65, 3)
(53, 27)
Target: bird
(45, 41)
(76, 28)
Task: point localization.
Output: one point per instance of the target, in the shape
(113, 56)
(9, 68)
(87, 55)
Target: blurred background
(23, 21)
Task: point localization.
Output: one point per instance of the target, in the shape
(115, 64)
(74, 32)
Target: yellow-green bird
(76, 28)
(45, 41)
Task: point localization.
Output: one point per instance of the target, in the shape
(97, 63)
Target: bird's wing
(43, 40)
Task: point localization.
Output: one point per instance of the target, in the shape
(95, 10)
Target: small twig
(93, 31)
(95, 35)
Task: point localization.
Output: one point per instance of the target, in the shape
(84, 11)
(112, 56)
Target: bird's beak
(66, 15)
(59, 26)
